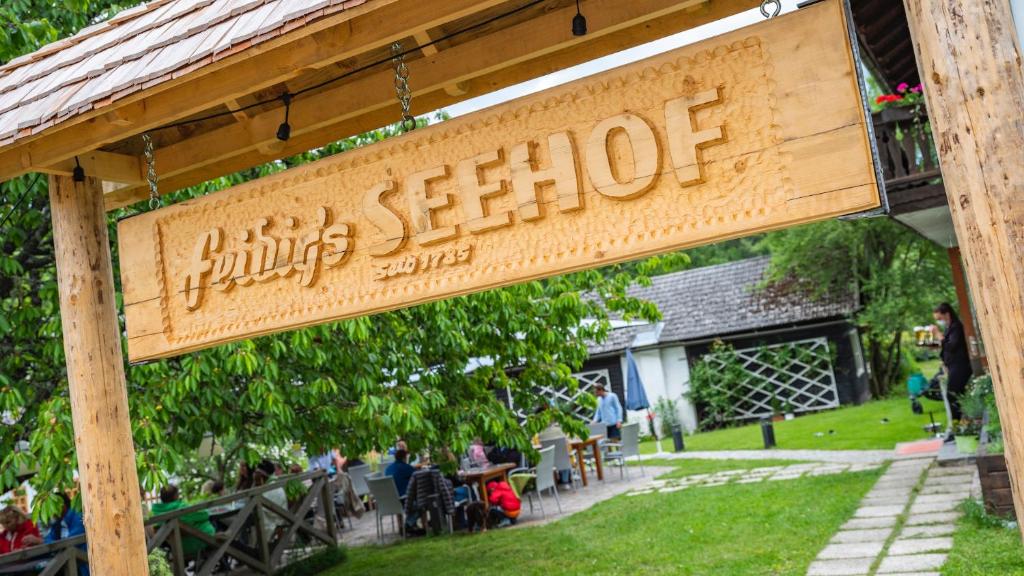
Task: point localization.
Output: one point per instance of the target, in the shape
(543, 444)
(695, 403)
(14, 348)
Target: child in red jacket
(505, 505)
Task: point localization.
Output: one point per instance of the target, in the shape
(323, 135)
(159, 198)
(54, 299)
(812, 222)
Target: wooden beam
(424, 40)
(99, 398)
(970, 64)
(504, 58)
(106, 166)
(344, 35)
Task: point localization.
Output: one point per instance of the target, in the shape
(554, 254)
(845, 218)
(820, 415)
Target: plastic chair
(358, 475)
(385, 493)
(627, 448)
(597, 428)
(562, 459)
(544, 479)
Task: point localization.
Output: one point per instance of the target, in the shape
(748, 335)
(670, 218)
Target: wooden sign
(758, 129)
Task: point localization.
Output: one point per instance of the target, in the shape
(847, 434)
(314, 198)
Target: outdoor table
(482, 475)
(580, 446)
(25, 568)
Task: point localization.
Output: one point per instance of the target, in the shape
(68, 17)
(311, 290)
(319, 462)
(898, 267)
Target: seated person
(400, 471)
(68, 525)
(505, 505)
(477, 454)
(17, 530)
(170, 500)
(267, 471)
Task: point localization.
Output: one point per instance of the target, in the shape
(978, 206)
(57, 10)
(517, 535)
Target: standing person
(609, 411)
(17, 530)
(955, 358)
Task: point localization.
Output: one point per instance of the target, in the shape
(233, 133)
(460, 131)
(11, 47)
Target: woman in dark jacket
(955, 357)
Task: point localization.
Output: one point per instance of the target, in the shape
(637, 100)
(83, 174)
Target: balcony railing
(906, 149)
(243, 545)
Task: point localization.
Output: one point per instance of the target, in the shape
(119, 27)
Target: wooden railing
(906, 149)
(244, 542)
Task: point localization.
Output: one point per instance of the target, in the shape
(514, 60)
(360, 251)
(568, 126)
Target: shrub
(158, 564)
(317, 563)
(667, 410)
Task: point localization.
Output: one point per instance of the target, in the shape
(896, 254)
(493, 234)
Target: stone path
(765, 474)
(834, 456)
(903, 527)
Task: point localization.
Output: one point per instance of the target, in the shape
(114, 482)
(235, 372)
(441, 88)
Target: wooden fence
(245, 542)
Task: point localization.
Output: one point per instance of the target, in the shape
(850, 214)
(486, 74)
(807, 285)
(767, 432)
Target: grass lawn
(984, 549)
(852, 428)
(771, 528)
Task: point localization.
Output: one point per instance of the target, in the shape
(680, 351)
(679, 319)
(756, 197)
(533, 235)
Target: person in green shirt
(170, 500)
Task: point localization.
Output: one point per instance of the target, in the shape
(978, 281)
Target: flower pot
(778, 418)
(966, 444)
(790, 416)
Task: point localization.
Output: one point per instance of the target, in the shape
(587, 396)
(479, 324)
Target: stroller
(934, 389)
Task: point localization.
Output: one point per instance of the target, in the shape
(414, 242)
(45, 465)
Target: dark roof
(718, 301)
(885, 36)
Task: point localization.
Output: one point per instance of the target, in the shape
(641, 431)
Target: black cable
(20, 198)
(363, 68)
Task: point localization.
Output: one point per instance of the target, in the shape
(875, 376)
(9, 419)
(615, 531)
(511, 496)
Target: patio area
(363, 531)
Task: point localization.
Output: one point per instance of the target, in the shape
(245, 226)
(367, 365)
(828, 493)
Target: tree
(898, 277)
(357, 384)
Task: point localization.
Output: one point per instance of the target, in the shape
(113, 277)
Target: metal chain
(776, 8)
(147, 151)
(402, 85)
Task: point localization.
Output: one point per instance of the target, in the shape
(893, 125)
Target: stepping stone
(932, 498)
(869, 523)
(948, 480)
(640, 493)
(862, 467)
(784, 477)
(672, 489)
(929, 507)
(876, 511)
(890, 493)
(856, 536)
(750, 480)
(847, 567)
(936, 518)
(951, 471)
(928, 531)
(903, 547)
(714, 483)
(955, 490)
(885, 501)
(914, 563)
(852, 550)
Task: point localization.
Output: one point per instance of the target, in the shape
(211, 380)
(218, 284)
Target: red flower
(885, 98)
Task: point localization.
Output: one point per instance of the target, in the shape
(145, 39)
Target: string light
(78, 174)
(579, 22)
(284, 131)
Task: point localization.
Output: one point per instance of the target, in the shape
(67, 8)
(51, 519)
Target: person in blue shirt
(400, 471)
(609, 411)
(68, 525)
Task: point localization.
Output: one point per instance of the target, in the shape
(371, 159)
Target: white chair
(358, 475)
(629, 447)
(562, 459)
(385, 494)
(544, 479)
(598, 429)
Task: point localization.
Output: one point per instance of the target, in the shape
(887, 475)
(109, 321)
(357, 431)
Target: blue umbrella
(636, 396)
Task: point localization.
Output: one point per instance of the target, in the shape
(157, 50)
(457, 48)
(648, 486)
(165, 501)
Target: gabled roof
(727, 299)
(136, 49)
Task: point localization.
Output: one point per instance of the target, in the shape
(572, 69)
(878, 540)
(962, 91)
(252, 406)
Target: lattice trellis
(806, 381)
(587, 381)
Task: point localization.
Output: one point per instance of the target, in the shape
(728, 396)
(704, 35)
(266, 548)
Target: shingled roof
(136, 49)
(727, 299)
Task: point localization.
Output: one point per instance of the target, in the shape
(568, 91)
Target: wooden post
(99, 398)
(963, 298)
(970, 62)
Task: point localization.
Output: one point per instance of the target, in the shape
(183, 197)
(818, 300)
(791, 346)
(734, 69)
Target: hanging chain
(147, 150)
(402, 86)
(771, 8)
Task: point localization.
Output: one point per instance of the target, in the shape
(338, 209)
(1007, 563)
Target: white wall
(666, 374)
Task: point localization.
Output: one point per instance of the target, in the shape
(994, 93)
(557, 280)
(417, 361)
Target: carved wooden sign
(758, 129)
